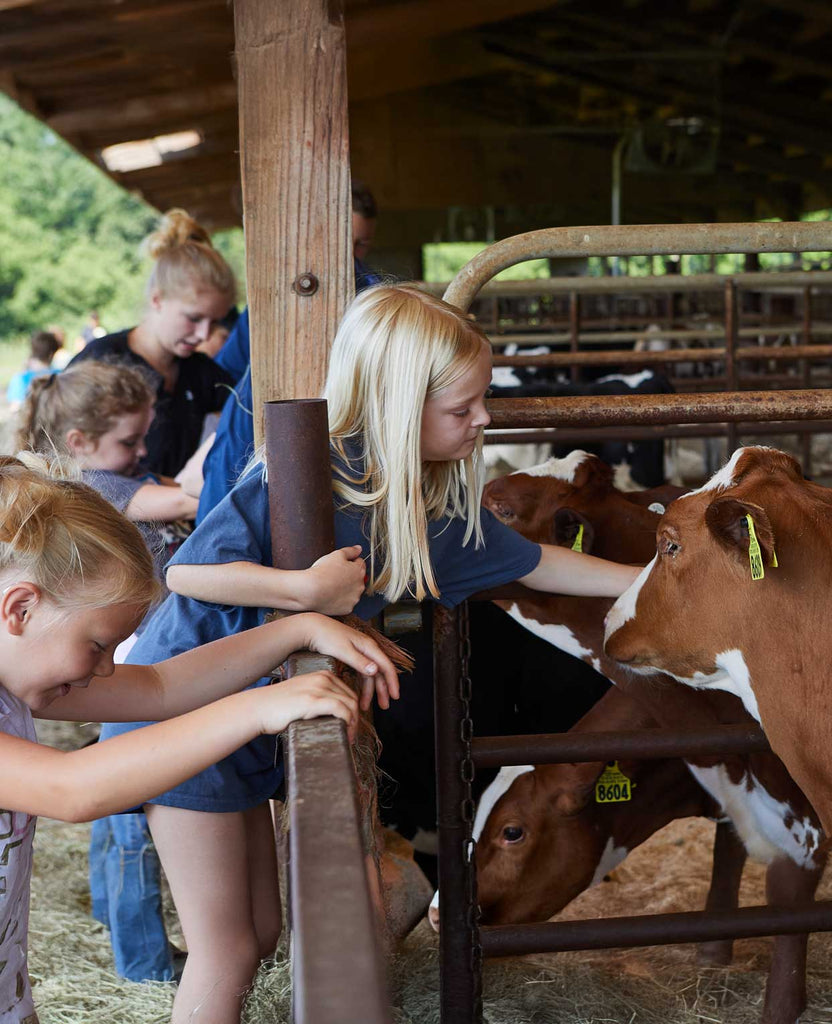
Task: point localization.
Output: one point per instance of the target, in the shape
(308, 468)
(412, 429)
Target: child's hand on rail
(360, 652)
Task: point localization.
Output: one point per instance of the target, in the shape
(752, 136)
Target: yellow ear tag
(755, 555)
(613, 786)
(578, 543)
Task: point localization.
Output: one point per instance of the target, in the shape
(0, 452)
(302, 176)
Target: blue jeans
(126, 896)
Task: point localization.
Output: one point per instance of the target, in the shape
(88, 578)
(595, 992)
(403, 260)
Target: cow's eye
(504, 511)
(671, 548)
(513, 833)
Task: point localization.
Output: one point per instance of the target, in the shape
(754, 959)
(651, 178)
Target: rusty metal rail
(462, 943)
(642, 410)
(761, 279)
(634, 240)
(338, 974)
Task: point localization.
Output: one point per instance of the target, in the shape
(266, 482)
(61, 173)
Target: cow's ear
(576, 786)
(572, 530)
(592, 470)
(727, 519)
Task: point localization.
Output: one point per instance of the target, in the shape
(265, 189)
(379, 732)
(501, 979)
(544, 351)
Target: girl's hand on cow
(312, 695)
(334, 584)
(359, 651)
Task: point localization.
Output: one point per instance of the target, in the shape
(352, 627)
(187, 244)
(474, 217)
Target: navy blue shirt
(238, 529)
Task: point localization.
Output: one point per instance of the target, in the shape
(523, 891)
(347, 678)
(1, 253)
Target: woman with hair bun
(191, 288)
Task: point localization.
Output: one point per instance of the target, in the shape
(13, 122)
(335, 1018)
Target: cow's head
(543, 503)
(692, 610)
(539, 843)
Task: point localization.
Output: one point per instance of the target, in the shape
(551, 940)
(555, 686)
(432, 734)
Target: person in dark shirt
(191, 288)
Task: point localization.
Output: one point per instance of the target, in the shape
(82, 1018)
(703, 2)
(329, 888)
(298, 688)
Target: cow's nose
(433, 917)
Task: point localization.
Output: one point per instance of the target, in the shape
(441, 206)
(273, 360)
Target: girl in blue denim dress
(406, 393)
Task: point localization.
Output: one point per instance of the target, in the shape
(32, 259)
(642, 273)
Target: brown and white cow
(543, 836)
(771, 815)
(697, 613)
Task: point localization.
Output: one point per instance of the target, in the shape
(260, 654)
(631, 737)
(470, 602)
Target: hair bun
(177, 228)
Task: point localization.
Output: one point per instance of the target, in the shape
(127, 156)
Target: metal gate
(463, 944)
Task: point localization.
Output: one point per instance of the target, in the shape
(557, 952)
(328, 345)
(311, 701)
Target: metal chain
(466, 768)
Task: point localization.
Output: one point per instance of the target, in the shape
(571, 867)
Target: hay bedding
(74, 982)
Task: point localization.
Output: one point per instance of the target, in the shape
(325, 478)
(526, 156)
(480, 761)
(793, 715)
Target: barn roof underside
(471, 116)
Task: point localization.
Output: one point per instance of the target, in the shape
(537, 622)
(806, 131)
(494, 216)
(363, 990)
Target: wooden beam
(291, 68)
(424, 19)
(145, 113)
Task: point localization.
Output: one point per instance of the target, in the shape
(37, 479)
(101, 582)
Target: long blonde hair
(88, 397)
(63, 536)
(397, 347)
(185, 259)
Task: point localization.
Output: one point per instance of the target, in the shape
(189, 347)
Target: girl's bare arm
(333, 585)
(127, 770)
(208, 673)
(563, 571)
(161, 503)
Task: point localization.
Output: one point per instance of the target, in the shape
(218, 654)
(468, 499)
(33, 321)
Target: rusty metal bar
(634, 240)
(673, 355)
(460, 972)
(338, 973)
(619, 410)
(337, 966)
(592, 435)
(567, 747)
(747, 281)
(654, 929)
(297, 450)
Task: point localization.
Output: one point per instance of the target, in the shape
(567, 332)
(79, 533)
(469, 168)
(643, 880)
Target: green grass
(12, 356)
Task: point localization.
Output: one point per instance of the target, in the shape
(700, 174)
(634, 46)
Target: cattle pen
(463, 944)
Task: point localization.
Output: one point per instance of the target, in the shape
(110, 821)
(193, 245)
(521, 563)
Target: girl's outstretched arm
(332, 585)
(204, 674)
(563, 571)
(127, 770)
(161, 503)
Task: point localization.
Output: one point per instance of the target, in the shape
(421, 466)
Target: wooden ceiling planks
(100, 72)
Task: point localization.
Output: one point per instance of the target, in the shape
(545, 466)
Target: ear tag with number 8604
(578, 542)
(613, 786)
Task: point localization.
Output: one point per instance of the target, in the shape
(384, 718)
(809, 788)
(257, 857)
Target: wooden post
(294, 148)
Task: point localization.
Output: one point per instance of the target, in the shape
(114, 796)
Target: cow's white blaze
(558, 636)
(502, 784)
(611, 857)
(759, 819)
(624, 608)
(560, 469)
(725, 477)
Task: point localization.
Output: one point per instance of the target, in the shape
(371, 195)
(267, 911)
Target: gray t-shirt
(17, 830)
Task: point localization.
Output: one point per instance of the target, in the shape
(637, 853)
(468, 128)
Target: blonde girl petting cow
(75, 580)
(406, 391)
